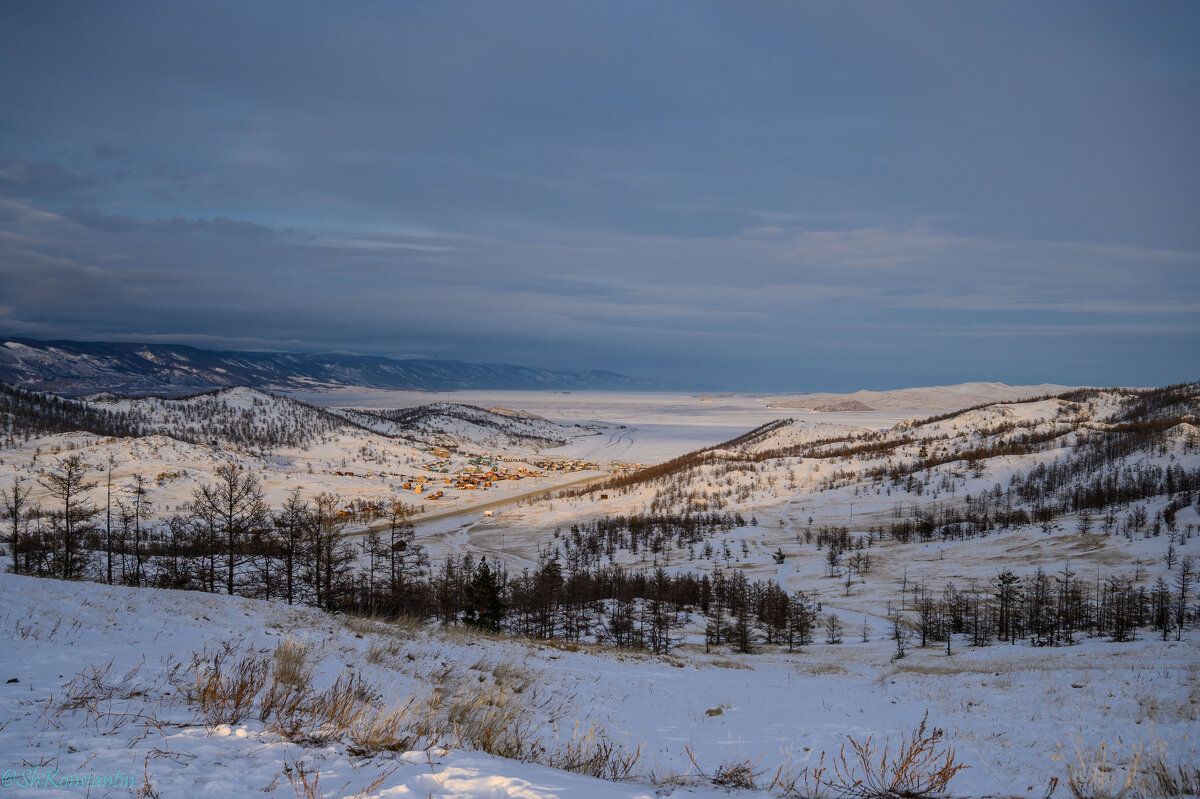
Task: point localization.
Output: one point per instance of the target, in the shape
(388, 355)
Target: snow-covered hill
(242, 416)
(931, 398)
(443, 423)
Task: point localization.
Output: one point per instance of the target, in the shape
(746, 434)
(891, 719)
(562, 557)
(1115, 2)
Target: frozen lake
(656, 425)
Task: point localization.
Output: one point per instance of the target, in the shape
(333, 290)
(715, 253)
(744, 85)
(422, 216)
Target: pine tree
(484, 607)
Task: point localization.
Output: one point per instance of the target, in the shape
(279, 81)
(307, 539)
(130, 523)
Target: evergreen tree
(484, 607)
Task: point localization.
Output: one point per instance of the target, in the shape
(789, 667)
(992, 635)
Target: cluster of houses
(445, 470)
(479, 474)
(565, 465)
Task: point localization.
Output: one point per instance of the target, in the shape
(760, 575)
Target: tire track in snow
(788, 567)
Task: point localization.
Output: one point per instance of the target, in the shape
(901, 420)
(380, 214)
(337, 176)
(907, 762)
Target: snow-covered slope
(102, 680)
(932, 398)
(238, 415)
(443, 423)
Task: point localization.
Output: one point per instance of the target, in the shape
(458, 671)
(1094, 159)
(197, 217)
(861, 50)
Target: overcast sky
(760, 196)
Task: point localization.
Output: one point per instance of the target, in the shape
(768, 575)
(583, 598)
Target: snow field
(1015, 715)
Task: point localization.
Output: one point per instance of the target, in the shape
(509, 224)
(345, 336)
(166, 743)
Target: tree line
(228, 540)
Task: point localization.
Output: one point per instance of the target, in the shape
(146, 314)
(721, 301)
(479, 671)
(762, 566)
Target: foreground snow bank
(94, 695)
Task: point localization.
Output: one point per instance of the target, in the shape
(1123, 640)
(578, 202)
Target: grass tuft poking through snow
(293, 666)
(921, 766)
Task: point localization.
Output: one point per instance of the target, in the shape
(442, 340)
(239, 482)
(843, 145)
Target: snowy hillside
(931, 398)
(429, 713)
(243, 416)
(443, 423)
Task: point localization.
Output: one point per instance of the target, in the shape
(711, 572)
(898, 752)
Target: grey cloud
(91, 217)
(217, 226)
(760, 191)
(106, 152)
(40, 179)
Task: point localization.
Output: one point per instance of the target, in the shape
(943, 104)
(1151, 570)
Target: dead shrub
(224, 693)
(813, 782)
(593, 753)
(921, 766)
(738, 774)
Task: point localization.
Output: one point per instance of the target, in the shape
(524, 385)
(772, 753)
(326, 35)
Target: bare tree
(833, 629)
(235, 501)
(140, 507)
(108, 535)
(900, 632)
(330, 557)
(291, 523)
(13, 501)
(1184, 578)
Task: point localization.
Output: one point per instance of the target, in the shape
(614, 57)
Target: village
(481, 472)
(448, 470)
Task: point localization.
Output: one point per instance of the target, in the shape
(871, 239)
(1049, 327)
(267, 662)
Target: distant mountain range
(78, 368)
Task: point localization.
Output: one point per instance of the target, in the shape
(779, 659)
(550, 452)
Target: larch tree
(13, 501)
(69, 486)
(235, 501)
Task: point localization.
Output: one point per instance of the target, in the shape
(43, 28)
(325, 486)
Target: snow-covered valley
(1018, 571)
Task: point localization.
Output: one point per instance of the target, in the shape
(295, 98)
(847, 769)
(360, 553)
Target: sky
(757, 196)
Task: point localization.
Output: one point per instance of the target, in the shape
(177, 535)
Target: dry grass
(921, 766)
(404, 626)
(1096, 773)
(383, 651)
(1107, 774)
(305, 779)
(292, 666)
(227, 692)
(593, 753)
(1161, 778)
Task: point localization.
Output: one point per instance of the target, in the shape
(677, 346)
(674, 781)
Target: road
(492, 505)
